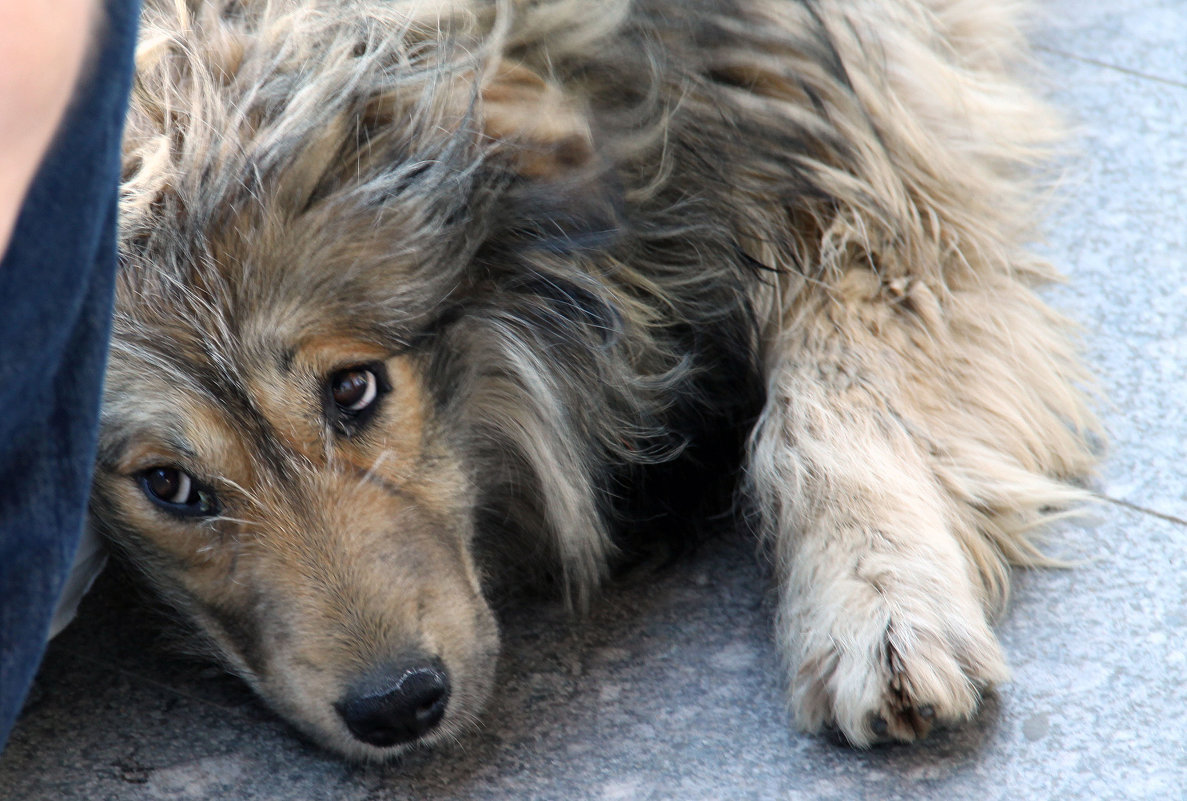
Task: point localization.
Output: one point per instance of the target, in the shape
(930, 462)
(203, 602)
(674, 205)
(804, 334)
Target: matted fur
(595, 250)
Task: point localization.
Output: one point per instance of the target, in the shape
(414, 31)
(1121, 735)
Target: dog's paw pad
(902, 724)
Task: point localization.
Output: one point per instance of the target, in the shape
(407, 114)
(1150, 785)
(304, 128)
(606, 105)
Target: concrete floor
(670, 690)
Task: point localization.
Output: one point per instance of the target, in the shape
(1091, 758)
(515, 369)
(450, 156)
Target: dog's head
(316, 375)
(292, 496)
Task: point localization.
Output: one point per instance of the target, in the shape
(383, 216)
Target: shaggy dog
(418, 296)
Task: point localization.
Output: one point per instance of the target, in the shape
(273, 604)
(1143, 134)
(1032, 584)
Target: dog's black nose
(398, 706)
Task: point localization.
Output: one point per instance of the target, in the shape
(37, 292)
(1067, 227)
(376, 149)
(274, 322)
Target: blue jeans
(55, 316)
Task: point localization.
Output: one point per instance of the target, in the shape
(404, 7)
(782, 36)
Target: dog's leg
(908, 446)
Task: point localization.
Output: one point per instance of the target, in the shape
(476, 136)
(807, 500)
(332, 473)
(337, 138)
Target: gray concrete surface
(669, 690)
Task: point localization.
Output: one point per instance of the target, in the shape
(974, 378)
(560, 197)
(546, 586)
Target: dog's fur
(594, 251)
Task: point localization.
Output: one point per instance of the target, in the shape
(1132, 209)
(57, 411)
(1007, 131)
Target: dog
(419, 299)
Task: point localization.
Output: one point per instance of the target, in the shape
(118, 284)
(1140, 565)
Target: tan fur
(791, 237)
(929, 403)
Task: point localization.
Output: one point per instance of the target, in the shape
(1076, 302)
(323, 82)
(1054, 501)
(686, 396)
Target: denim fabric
(55, 316)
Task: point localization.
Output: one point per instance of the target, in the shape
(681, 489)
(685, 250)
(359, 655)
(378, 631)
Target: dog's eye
(353, 394)
(355, 389)
(177, 493)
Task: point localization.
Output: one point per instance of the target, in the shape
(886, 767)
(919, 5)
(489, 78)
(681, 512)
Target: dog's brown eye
(168, 484)
(352, 396)
(354, 390)
(176, 492)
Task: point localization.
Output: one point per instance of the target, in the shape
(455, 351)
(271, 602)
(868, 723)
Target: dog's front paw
(892, 676)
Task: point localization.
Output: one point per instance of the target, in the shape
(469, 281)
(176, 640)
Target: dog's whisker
(237, 520)
(375, 465)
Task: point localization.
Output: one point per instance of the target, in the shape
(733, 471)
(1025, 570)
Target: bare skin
(42, 50)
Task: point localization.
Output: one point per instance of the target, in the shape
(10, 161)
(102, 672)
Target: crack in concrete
(1115, 67)
(1134, 507)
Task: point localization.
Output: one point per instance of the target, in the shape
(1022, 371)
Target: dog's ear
(564, 194)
